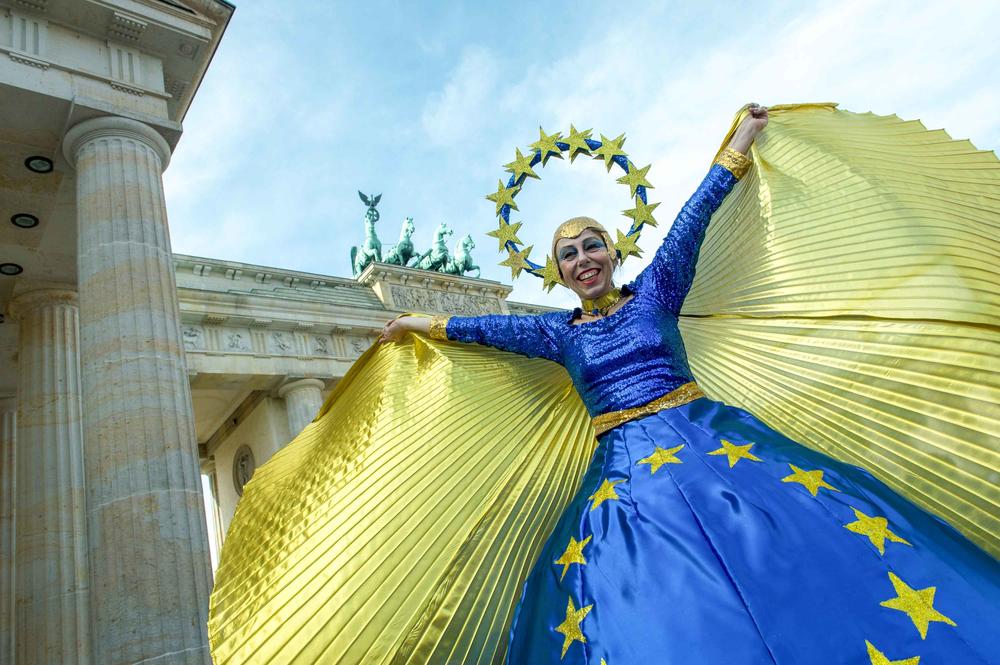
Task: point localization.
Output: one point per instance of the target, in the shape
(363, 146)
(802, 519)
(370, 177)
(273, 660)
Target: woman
(699, 534)
(401, 525)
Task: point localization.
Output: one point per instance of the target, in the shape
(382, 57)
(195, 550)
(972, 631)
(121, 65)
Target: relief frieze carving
(442, 302)
(280, 343)
(194, 338)
(320, 345)
(236, 340)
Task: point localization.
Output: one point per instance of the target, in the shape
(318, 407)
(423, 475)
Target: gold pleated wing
(848, 294)
(399, 526)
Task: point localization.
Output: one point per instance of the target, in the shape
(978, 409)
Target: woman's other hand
(394, 330)
(748, 130)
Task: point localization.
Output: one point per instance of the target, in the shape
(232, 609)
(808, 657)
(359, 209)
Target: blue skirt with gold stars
(700, 535)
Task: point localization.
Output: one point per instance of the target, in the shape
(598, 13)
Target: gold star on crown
(635, 177)
(642, 213)
(521, 166)
(506, 233)
(504, 196)
(546, 145)
(577, 142)
(610, 148)
(517, 261)
(625, 244)
(550, 274)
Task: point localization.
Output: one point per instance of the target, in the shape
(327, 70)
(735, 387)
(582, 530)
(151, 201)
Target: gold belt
(686, 393)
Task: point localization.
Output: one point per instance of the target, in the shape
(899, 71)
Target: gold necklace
(603, 304)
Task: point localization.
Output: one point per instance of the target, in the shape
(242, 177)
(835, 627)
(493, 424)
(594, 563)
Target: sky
(307, 102)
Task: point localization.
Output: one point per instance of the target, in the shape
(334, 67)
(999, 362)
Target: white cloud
(462, 107)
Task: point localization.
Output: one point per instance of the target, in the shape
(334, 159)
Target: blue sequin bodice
(636, 354)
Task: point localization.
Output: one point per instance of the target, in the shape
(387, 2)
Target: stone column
(303, 398)
(148, 542)
(8, 424)
(52, 585)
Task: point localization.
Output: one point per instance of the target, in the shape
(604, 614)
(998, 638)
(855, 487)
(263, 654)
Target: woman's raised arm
(671, 271)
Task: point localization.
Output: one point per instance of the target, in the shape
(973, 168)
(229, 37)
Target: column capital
(298, 384)
(31, 300)
(113, 125)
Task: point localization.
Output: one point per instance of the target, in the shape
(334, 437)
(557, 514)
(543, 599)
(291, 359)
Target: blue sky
(308, 102)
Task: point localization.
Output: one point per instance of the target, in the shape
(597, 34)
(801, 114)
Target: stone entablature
(239, 318)
(412, 290)
(109, 55)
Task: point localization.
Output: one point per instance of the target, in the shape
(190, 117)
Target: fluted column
(52, 577)
(148, 541)
(8, 425)
(303, 398)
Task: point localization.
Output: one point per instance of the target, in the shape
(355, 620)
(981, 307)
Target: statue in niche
(436, 257)
(371, 251)
(243, 467)
(461, 262)
(403, 251)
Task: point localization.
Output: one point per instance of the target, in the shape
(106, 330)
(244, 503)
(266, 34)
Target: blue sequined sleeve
(671, 271)
(535, 336)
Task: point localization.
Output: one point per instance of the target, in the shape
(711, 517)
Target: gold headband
(571, 228)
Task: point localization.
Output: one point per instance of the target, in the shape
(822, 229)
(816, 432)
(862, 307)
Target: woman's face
(586, 264)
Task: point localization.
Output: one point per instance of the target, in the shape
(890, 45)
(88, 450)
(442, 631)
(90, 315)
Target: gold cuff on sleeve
(439, 328)
(735, 161)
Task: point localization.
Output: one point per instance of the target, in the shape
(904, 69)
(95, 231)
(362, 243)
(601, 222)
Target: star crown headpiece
(576, 143)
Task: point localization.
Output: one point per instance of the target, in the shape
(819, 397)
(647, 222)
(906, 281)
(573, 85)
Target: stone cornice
(377, 273)
(250, 273)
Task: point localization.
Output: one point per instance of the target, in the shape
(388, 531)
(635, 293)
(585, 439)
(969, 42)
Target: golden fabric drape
(399, 526)
(847, 294)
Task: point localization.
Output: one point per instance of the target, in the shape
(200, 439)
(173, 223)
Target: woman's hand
(748, 130)
(394, 330)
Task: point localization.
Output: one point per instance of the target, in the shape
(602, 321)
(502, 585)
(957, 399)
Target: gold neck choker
(603, 304)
